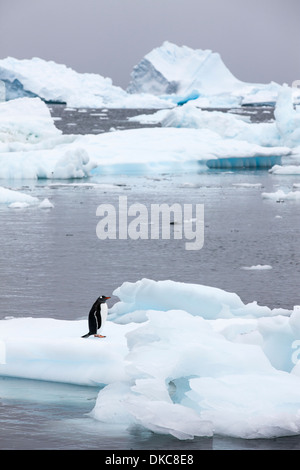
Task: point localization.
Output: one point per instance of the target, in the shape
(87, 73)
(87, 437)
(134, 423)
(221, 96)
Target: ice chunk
(282, 196)
(16, 198)
(258, 267)
(264, 406)
(207, 302)
(285, 170)
(46, 204)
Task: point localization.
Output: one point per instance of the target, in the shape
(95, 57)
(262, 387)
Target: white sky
(259, 40)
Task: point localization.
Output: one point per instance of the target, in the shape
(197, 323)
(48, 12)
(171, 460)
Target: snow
(181, 359)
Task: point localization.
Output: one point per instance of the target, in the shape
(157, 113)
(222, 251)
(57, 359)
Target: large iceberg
(180, 359)
(54, 82)
(181, 74)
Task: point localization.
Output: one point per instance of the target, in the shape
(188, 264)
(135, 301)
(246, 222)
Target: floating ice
(25, 121)
(16, 198)
(258, 267)
(56, 82)
(285, 170)
(46, 204)
(285, 130)
(31, 147)
(185, 74)
(166, 76)
(2, 91)
(280, 195)
(199, 362)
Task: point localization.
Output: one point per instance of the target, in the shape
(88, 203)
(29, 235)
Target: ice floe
(181, 359)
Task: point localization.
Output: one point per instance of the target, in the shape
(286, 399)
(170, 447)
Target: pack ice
(31, 147)
(180, 359)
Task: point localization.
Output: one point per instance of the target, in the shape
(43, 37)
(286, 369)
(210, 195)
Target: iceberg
(180, 74)
(58, 83)
(167, 76)
(181, 359)
(25, 120)
(2, 91)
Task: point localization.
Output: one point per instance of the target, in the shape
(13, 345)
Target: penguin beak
(107, 298)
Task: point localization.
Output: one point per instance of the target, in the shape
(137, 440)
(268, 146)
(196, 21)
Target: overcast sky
(259, 40)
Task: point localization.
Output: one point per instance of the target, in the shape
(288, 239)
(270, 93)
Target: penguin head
(103, 299)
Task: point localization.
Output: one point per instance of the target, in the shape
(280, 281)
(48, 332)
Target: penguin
(97, 317)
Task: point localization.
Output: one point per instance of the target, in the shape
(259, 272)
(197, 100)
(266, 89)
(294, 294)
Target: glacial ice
(181, 74)
(180, 359)
(166, 76)
(2, 91)
(54, 82)
(32, 147)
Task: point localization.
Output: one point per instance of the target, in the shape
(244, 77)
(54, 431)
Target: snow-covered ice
(181, 74)
(166, 76)
(180, 359)
(2, 91)
(33, 148)
(54, 82)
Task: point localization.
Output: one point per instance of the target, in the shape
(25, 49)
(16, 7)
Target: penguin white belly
(103, 314)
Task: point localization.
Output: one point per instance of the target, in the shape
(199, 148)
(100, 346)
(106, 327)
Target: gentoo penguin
(97, 317)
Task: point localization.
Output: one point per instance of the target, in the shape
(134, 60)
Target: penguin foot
(99, 336)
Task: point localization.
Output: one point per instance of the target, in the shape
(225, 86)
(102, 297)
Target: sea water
(53, 265)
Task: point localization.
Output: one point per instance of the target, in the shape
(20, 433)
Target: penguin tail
(86, 336)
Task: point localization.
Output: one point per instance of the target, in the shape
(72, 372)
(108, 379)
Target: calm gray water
(53, 265)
